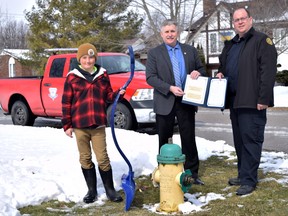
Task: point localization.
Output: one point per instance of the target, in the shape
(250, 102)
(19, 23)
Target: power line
(9, 14)
(13, 16)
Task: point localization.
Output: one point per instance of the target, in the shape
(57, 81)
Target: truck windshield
(114, 64)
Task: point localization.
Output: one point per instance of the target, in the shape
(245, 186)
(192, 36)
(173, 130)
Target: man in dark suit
(163, 74)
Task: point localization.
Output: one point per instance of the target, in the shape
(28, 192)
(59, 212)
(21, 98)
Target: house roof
(16, 53)
(197, 26)
(272, 11)
(143, 45)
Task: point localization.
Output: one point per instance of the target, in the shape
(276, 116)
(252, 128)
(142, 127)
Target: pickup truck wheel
(21, 115)
(122, 118)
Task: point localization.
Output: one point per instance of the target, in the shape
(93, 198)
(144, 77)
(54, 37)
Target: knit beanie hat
(86, 49)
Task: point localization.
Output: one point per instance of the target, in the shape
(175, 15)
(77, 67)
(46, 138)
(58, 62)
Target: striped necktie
(176, 69)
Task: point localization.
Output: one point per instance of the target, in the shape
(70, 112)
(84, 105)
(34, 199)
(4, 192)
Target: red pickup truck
(26, 98)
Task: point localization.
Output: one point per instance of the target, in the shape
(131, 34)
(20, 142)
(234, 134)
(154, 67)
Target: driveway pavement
(214, 125)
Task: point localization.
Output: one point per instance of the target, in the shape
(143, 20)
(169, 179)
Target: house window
(225, 20)
(213, 42)
(216, 41)
(281, 39)
(11, 68)
(221, 40)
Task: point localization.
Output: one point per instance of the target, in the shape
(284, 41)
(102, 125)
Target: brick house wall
(20, 70)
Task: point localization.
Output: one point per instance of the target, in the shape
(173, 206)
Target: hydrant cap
(170, 154)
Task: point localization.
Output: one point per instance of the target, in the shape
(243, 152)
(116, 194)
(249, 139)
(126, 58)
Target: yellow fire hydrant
(172, 178)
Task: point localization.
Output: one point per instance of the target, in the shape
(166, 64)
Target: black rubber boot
(107, 180)
(91, 181)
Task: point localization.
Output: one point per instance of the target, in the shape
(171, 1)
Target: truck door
(52, 86)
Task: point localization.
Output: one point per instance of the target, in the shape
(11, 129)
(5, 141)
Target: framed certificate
(205, 91)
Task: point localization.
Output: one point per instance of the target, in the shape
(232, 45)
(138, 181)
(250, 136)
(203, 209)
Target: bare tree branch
(12, 33)
(183, 11)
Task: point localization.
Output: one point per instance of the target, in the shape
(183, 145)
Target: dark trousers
(186, 122)
(248, 127)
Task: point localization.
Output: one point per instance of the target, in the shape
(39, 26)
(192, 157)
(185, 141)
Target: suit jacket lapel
(166, 56)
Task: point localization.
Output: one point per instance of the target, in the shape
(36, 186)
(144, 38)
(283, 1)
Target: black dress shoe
(198, 181)
(244, 189)
(234, 181)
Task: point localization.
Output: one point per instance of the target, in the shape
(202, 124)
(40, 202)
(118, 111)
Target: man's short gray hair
(169, 22)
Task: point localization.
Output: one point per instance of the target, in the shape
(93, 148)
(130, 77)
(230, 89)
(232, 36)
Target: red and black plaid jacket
(84, 103)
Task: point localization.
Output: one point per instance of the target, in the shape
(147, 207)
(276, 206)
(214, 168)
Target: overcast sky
(15, 8)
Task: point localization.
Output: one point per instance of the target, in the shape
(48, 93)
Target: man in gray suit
(162, 75)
